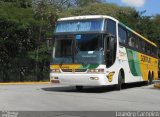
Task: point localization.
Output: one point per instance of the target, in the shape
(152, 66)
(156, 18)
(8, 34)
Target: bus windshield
(83, 48)
(79, 25)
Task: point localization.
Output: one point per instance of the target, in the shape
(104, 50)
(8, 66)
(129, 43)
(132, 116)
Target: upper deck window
(79, 25)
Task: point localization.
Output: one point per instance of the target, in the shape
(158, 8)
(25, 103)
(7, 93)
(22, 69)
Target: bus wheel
(150, 79)
(79, 88)
(118, 86)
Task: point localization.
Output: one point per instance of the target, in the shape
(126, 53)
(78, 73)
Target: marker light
(94, 78)
(96, 71)
(55, 71)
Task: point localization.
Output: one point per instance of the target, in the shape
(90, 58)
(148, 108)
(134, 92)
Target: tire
(146, 83)
(79, 88)
(150, 79)
(119, 85)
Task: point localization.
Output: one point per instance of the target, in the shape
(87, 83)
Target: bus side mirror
(109, 43)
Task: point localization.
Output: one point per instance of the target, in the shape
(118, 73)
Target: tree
(15, 40)
(82, 3)
(45, 13)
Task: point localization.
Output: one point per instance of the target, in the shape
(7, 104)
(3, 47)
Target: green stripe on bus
(134, 63)
(90, 66)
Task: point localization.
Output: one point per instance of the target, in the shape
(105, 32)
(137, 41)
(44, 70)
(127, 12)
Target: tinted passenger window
(137, 43)
(143, 46)
(146, 47)
(152, 50)
(131, 40)
(155, 51)
(122, 35)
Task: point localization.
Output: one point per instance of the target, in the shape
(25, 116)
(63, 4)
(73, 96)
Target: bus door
(110, 42)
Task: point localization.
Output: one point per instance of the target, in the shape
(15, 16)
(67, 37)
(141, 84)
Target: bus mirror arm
(111, 35)
(111, 43)
(107, 51)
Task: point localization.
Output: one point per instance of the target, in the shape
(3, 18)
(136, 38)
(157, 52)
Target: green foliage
(82, 3)
(18, 38)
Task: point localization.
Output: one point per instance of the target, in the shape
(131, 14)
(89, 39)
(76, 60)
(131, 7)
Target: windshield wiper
(78, 56)
(73, 50)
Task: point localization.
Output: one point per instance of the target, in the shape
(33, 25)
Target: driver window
(111, 27)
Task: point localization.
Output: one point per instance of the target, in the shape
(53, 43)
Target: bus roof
(104, 17)
(87, 17)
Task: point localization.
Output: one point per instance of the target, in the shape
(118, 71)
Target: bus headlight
(94, 78)
(54, 78)
(55, 71)
(96, 71)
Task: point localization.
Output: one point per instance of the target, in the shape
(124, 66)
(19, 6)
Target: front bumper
(79, 79)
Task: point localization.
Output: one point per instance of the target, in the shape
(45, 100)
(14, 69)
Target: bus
(97, 50)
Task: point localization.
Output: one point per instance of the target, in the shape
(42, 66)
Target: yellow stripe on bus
(65, 66)
(148, 64)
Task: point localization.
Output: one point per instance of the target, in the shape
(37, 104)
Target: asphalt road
(49, 97)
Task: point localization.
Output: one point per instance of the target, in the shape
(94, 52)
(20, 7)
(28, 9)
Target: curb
(24, 83)
(156, 81)
(157, 86)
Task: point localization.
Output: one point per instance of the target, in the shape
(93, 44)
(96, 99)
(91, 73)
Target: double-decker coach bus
(100, 50)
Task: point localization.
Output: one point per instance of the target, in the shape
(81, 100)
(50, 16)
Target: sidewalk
(157, 84)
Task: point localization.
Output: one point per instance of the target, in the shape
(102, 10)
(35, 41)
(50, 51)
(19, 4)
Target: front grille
(67, 70)
(80, 70)
(74, 70)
